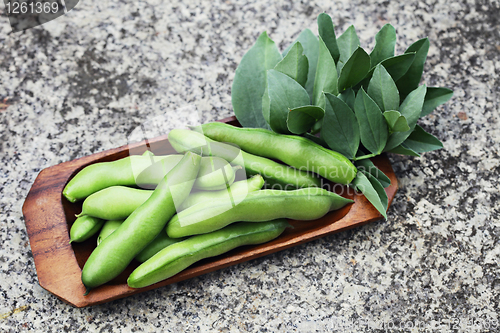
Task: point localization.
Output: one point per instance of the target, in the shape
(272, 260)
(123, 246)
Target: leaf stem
(317, 127)
(315, 131)
(364, 157)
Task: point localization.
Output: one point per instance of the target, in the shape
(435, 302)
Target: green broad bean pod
(179, 256)
(115, 202)
(116, 251)
(84, 227)
(293, 150)
(185, 140)
(98, 176)
(107, 229)
(302, 204)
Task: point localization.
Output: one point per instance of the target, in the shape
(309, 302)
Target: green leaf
(420, 141)
(367, 166)
(340, 129)
(372, 124)
(294, 64)
(385, 42)
(340, 65)
(326, 75)
(283, 94)
(372, 191)
(310, 44)
(250, 81)
(348, 96)
(434, 97)
(395, 66)
(396, 122)
(379, 188)
(303, 118)
(327, 33)
(410, 109)
(354, 70)
(317, 127)
(403, 150)
(383, 90)
(411, 79)
(347, 43)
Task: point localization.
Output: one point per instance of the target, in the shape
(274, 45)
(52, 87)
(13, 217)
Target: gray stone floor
(83, 83)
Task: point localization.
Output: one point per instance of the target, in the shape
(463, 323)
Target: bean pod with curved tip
(101, 175)
(303, 204)
(84, 227)
(107, 229)
(293, 150)
(185, 140)
(116, 251)
(115, 202)
(179, 256)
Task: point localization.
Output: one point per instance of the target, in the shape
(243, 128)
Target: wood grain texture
(49, 216)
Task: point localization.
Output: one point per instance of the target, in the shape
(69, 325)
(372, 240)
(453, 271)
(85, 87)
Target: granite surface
(83, 84)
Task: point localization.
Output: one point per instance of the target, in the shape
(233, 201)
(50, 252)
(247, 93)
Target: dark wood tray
(49, 216)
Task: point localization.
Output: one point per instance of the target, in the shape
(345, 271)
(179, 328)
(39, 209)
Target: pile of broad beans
(169, 212)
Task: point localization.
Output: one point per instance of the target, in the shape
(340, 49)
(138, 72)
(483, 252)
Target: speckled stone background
(83, 83)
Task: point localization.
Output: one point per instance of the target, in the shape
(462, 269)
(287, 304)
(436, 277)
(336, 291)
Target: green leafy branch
(333, 92)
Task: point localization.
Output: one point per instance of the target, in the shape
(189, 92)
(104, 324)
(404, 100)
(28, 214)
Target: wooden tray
(49, 216)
